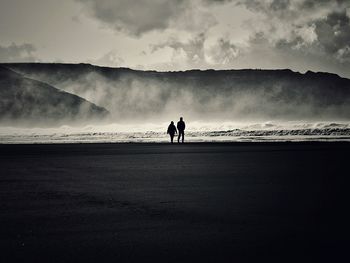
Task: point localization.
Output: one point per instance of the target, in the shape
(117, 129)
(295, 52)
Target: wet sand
(205, 202)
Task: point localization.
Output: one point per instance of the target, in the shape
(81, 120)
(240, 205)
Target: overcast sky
(179, 34)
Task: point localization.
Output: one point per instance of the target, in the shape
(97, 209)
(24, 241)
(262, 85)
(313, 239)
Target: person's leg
(178, 137)
(183, 136)
(171, 138)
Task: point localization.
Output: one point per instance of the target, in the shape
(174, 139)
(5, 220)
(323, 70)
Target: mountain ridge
(40, 64)
(32, 102)
(201, 94)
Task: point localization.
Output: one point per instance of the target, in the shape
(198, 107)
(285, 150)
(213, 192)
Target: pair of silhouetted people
(180, 127)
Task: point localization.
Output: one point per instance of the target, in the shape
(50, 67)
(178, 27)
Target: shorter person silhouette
(181, 127)
(171, 131)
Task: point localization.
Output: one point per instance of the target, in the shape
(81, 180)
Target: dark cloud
(329, 36)
(312, 28)
(311, 4)
(135, 17)
(286, 8)
(266, 6)
(334, 35)
(139, 17)
(17, 53)
(217, 1)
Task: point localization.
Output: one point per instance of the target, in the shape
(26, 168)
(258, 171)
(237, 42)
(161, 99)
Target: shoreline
(263, 142)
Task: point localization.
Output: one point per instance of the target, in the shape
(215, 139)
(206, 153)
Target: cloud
(315, 28)
(139, 17)
(293, 10)
(190, 52)
(135, 17)
(197, 52)
(223, 52)
(282, 34)
(334, 35)
(17, 53)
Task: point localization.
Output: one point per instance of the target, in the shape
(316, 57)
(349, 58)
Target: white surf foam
(196, 132)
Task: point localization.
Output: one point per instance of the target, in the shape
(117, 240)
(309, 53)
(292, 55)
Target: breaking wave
(196, 132)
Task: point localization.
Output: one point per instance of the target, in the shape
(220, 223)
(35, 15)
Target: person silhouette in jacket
(171, 131)
(181, 128)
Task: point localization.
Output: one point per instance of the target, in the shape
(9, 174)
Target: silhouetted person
(181, 127)
(171, 131)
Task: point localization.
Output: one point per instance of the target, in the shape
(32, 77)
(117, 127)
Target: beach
(195, 202)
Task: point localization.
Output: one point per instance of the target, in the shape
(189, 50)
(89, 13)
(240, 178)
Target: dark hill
(209, 94)
(24, 101)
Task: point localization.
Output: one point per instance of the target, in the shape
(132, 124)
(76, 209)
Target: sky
(172, 35)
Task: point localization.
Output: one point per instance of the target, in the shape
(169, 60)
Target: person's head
(181, 118)
(172, 122)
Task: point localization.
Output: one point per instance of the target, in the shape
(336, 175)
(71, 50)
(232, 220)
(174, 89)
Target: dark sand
(195, 202)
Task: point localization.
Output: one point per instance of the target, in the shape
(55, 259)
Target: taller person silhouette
(181, 128)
